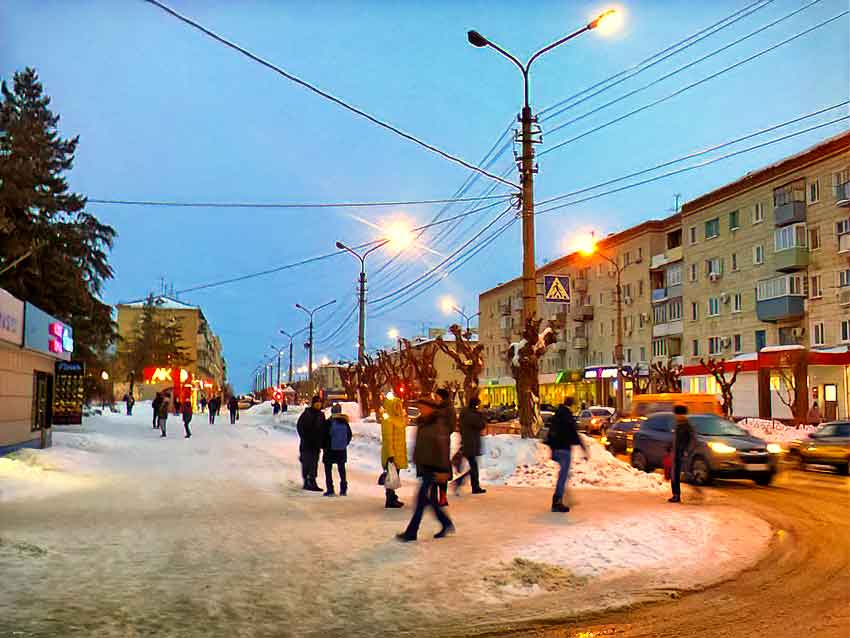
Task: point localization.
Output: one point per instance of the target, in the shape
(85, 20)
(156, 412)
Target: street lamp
(291, 338)
(589, 249)
(310, 313)
(448, 306)
(279, 353)
(527, 170)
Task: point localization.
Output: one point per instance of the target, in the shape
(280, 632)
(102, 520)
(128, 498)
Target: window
(713, 306)
(640, 288)
(659, 348)
(675, 310)
(629, 354)
(781, 287)
(793, 236)
(643, 353)
(842, 226)
(660, 314)
(714, 345)
(814, 238)
(694, 272)
(814, 191)
(845, 330)
(839, 182)
(736, 302)
(714, 266)
(758, 213)
(818, 333)
(695, 347)
(627, 259)
(758, 254)
(694, 311)
(712, 228)
(627, 290)
(844, 278)
(598, 270)
(734, 262)
(692, 235)
(642, 320)
(601, 301)
(816, 287)
(640, 253)
(733, 220)
(674, 275)
(737, 342)
(793, 192)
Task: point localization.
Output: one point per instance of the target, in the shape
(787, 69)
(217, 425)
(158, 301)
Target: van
(697, 403)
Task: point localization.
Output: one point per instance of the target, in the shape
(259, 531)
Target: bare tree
(640, 384)
(421, 362)
(349, 377)
(666, 377)
(788, 394)
(524, 360)
(372, 381)
(467, 357)
(717, 368)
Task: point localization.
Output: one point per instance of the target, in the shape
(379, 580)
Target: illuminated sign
(166, 375)
(47, 334)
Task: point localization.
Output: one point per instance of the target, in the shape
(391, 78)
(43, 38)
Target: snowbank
(774, 431)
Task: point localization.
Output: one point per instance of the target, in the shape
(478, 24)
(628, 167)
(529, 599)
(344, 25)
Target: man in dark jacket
(311, 431)
(186, 410)
(233, 406)
(157, 401)
(337, 436)
(472, 424)
(684, 439)
(431, 456)
(563, 435)
(213, 406)
(448, 417)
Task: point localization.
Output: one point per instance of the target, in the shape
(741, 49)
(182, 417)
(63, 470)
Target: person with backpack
(563, 435)
(311, 432)
(337, 438)
(187, 417)
(393, 442)
(157, 401)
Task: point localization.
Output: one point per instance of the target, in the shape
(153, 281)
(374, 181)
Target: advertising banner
(68, 394)
(11, 319)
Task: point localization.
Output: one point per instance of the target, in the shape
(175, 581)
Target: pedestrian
(178, 405)
(233, 406)
(450, 418)
(311, 429)
(472, 424)
(431, 456)
(563, 435)
(203, 404)
(337, 437)
(275, 408)
(157, 401)
(684, 439)
(162, 415)
(129, 401)
(187, 417)
(393, 442)
(814, 417)
(213, 405)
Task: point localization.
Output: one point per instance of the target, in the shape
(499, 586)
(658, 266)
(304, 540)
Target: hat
(315, 399)
(336, 408)
(443, 393)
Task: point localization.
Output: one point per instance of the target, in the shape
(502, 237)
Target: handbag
(382, 479)
(393, 480)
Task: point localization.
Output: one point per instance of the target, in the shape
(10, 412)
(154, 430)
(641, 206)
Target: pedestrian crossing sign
(557, 288)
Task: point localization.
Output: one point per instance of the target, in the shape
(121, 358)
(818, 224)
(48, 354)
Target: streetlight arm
(324, 305)
(381, 244)
(586, 27)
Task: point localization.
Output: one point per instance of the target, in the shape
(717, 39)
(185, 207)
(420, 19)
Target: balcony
(580, 343)
(580, 285)
(789, 213)
(792, 259)
(659, 294)
(585, 312)
(842, 195)
(667, 257)
(844, 243)
(666, 329)
(780, 308)
(844, 297)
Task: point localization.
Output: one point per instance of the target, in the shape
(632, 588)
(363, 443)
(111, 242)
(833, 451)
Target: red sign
(166, 375)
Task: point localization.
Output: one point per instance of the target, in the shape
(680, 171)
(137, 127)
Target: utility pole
(361, 295)
(310, 314)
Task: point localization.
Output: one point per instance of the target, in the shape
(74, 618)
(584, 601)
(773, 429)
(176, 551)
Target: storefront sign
(166, 375)
(47, 334)
(11, 319)
(68, 393)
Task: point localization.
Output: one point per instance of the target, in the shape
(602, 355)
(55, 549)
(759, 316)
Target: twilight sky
(165, 113)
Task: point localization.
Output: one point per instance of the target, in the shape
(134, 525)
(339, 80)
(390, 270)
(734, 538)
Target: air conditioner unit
(726, 342)
(627, 301)
(715, 276)
(724, 297)
(798, 332)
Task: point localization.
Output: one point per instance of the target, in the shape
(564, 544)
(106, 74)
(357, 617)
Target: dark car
(618, 438)
(828, 445)
(723, 449)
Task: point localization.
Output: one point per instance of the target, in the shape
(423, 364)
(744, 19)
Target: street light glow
(448, 305)
(584, 243)
(398, 234)
(608, 22)
(393, 333)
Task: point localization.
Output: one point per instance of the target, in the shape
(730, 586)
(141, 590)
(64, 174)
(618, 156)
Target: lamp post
(310, 313)
(291, 338)
(279, 352)
(467, 318)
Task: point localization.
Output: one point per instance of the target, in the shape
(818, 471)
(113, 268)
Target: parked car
(828, 445)
(595, 419)
(618, 438)
(723, 449)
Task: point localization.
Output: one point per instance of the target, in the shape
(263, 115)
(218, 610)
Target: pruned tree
(421, 361)
(456, 391)
(788, 395)
(348, 376)
(666, 377)
(467, 357)
(717, 369)
(372, 381)
(524, 360)
(640, 384)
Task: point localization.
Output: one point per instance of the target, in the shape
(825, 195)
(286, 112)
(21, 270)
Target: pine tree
(53, 253)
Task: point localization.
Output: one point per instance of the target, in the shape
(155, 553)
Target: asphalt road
(801, 588)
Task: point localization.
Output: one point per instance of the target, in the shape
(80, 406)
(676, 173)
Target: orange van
(697, 403)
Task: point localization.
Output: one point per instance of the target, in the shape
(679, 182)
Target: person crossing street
(684, 440)
(563, 435)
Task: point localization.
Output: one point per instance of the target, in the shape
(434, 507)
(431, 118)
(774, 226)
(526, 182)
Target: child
(337, 438)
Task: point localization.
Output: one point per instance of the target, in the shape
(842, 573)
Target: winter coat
(233, 404)
(684, 436)
(311, 429)
(432, 443)
(156, 403)
(394, 433)
(164, 406)
(187, 412)
(334, 456)
(472, 424)
(562, 430)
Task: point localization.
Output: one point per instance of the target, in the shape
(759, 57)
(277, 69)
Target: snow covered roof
(161, 301)
(782, 348)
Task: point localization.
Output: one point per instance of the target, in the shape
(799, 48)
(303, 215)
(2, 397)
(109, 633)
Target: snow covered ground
(774, 431)
(115, 527)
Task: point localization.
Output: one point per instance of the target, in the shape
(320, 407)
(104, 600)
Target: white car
(595, 419)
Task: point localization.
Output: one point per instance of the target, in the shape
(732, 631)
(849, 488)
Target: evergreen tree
(53, 253)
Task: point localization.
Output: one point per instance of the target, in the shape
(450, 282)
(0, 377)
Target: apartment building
(766, 271)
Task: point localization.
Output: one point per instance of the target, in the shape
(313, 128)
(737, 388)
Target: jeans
(562, 458)
(155, 418)
(427, 496)
(186, 427)
(675, 474)
(473, 474)
(329, 478)
(161, 422)
(212, 417)
(309, 464)
(233, 417)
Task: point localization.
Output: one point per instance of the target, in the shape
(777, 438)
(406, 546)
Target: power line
(326, 95)
(694, 84)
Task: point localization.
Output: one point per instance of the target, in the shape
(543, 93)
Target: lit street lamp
(448, 305)
(279, 352)
(310, 313)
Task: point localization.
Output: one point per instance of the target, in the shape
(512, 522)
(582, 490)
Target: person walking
(684, 438)
(162, 415)
(213, 407)
(563, 435)
(814, 416)
(449, 417)
(130, 401)
(187, 417)
(472, 424)
(203, 404)
(233, 406)
(393, 442)
(157, 401)
(311, 429)
(337, 438)
(431, 456)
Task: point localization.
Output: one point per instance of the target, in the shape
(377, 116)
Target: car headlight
(721, 448)
(603, 440)
(774, 448)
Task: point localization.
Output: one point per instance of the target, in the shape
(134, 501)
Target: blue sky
(164, 113)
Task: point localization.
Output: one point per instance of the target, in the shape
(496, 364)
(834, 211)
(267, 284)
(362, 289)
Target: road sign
(557, 288)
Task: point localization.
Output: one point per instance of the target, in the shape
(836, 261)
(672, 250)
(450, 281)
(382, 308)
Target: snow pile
(774, 431)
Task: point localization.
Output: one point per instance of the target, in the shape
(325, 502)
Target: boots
(558, 506)
(343, 489)
(313, 486)
(329, 491)
(392, 501)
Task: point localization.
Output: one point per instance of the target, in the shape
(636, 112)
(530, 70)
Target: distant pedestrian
(472, 424)
(563, 435)
(393, 442)
(275, 408)
(178, 405)
(311, 429)
(130, 402)
(157, 401)
(187, 417)
(233, 407)
(684, 440)
(336, 440)
(814, 416)
(431, 456)
(213, 406)
(162, 415)
(203, 404)
(449, 417)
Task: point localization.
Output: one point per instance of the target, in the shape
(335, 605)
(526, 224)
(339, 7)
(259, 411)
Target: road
(801, 588)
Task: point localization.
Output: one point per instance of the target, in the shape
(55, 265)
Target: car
(618, 437)
(828, 445)
(723, 449)
(595, 419)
